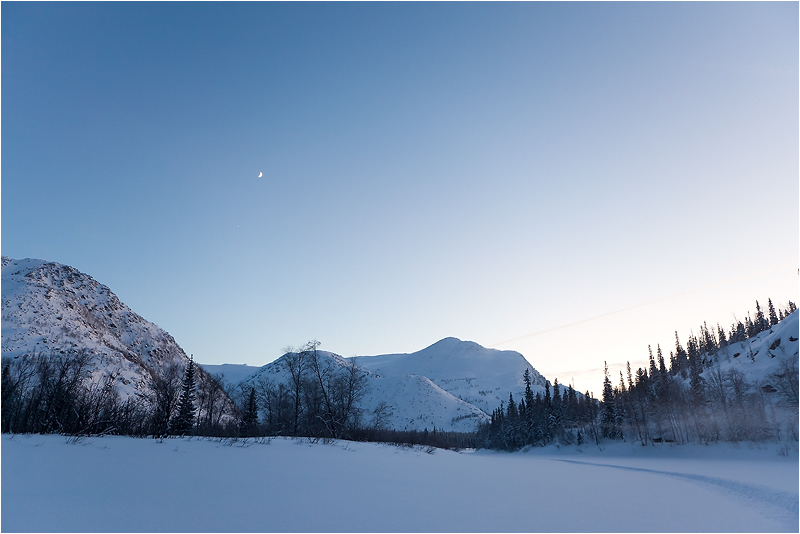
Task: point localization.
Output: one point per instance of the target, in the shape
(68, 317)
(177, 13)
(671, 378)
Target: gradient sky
(484, 171)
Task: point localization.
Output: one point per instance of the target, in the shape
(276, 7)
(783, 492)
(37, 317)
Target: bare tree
(786, 381)
(297, 364)
(165, 387)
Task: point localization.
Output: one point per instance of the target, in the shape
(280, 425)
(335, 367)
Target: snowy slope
(761, 357)
(477, 375)
(414, 402)
(50, 308)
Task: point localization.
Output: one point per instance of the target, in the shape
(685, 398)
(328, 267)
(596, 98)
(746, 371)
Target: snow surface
(118, 484)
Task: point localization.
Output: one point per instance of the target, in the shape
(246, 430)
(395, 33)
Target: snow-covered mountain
(231, 373)
(50, 308)
(402, 402)
(479, 376)
(450, 385)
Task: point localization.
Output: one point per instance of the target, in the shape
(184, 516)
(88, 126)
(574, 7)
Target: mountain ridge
(49, 308)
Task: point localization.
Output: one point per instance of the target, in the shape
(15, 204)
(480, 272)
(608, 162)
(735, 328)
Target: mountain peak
(51, 308)
(478, 375)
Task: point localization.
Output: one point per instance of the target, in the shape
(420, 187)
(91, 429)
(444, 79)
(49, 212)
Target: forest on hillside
(690, 399)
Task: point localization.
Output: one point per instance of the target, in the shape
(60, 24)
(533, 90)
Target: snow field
(118, 484)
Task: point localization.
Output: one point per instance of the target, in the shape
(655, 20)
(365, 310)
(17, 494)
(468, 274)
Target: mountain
(404, 402)
(451, 385)
(479, 376)
(54, 309)
(230, 373)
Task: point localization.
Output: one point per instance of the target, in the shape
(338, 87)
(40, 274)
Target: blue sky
(484, 171)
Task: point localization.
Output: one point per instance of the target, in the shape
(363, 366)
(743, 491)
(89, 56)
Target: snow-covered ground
(118, 484)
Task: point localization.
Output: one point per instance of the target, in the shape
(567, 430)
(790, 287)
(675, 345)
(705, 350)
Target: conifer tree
(512, 408)
(528, 391)
(773, 317)
(738, 332)
(662, 368)
(184, 422)
(572, 405)
(681, 358)
(723, 341)
(750, 326)
(761, 322)
(250, 419)
(653, 370)
(557, 413)
(608, 421)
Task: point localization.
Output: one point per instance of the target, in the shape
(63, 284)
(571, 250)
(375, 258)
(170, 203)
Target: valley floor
(118, 484)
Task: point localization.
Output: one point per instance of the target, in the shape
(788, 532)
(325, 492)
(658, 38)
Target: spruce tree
(662, 368)
(184, 422)
(572, 406)
(557, 413)
(653, 370)
(608, 421)
(512, 408)
(750, 326)
(528, 391)
(761, 322)
(773, 317)
(529, 420)
(681, 358)
(723, 341)
(739, 333)
(250, 419)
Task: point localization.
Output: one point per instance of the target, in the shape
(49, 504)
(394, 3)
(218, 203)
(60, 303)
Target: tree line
(54, 392)
(691, 399)
(537, 420)
(686, 397)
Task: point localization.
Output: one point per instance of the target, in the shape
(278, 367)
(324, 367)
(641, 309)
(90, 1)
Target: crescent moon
(260, 174)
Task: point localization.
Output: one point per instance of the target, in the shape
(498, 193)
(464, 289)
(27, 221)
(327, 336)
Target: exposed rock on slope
(50, 308)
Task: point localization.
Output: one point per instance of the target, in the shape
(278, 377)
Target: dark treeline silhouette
(55, 393)
(563, 416)
(691, 399)
(439, 439)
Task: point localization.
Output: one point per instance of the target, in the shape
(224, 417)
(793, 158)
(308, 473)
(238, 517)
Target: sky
(574, 181)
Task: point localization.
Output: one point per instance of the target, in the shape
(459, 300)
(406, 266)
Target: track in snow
(763, 497)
